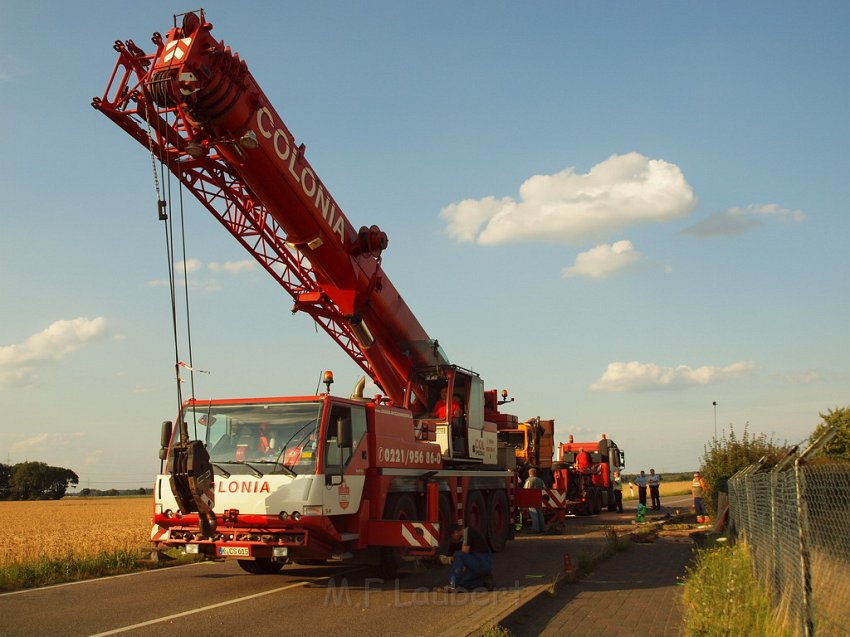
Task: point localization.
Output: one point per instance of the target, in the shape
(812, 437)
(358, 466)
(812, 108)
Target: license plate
(237, 551)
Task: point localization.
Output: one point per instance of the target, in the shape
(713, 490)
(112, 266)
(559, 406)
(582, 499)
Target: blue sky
(620, 212)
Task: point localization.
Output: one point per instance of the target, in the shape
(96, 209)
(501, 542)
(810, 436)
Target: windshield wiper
(223, 471)
(286, 469)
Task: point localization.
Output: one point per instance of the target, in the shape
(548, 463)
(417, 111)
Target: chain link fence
(796, 519)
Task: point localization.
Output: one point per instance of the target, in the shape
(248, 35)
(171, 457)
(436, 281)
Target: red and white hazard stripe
(421, 534)
(175, 50)
(554, 499)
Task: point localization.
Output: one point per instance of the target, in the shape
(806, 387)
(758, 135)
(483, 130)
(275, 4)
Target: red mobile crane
(307, 478)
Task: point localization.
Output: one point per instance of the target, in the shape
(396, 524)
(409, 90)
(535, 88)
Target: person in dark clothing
(641, 483)
(472, 565)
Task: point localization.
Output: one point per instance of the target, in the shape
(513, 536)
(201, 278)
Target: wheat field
(73, 527)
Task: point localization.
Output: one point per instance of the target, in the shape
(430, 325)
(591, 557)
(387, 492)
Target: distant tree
(725, 456)
(840, 443)
(142, 491)
(39, 481)
(85, 492)
(5, 481)
(111, 492)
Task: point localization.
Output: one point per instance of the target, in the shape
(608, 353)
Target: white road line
(206, 608)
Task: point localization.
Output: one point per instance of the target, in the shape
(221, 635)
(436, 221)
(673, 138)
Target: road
(331, 600)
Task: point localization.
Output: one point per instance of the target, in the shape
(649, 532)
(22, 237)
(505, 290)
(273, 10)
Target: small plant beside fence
(795, 517)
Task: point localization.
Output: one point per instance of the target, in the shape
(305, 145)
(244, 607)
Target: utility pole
(715, 418)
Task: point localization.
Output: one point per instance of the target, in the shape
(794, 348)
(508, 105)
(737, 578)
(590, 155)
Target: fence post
(803, 528)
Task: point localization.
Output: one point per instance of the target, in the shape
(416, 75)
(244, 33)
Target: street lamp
(715, 418)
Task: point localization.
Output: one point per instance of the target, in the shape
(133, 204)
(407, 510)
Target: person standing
(472, 565)
(617, 484)
(698, 489)
(641, 483)
(654, 482)
(538, 522)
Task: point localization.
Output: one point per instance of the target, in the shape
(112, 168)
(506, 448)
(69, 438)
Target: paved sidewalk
(634, 593)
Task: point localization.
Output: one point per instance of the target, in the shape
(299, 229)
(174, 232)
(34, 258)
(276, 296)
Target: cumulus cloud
(234, 267)
(603, 261)
(44, 440)
(569, 207)
(190, 265)
(21, 362)
(636, 376)
(736, 221)
(199, 283)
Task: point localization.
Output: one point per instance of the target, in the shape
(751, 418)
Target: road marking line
(206, 608)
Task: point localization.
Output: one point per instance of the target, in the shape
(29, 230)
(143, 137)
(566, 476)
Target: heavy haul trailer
(311, 478)
(576, 487)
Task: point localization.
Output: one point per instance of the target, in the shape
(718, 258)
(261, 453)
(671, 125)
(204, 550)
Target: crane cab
(450, 401)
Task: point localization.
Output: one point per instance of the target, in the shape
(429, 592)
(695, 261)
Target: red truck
(304, 479)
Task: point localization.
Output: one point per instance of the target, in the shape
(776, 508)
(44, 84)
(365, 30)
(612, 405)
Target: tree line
(35, 481)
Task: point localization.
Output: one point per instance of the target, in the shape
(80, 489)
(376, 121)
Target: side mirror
(165, 434)
(344, 436)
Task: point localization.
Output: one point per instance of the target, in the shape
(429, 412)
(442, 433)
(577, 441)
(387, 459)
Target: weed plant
(722, 596)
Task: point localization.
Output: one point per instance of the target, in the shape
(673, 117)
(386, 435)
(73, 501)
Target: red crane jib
(207, 113)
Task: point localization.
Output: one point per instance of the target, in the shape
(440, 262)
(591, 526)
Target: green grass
(48, 571)
(723, 597)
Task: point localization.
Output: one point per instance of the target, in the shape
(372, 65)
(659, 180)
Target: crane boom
(203, 115)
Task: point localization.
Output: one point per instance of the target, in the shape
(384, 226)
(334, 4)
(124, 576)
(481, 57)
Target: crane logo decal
(175, 50)
(310, 184)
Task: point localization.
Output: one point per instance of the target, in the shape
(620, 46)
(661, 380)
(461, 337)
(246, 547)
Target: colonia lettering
(306, 178)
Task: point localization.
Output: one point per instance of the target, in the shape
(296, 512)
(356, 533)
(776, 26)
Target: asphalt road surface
(220, 598)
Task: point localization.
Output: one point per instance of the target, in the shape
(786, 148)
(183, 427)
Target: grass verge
(47, 571)
(723, 597)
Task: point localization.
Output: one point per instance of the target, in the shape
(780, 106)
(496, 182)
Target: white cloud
(44, 440)
(569, 207)
(191, 265)
(636, 376)
(736, 221)
(20, 362)
(234, 267)
(603, 260)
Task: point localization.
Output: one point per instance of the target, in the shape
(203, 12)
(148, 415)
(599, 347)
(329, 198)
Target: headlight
(283, 515)
(280, 551)
(192, 549)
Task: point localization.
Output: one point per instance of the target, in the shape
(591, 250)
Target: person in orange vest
(441, 408)
(582, 460)
(698, 489)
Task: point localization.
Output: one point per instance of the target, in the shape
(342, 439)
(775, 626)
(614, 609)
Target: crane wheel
(399, 506)
(498, 520)
(475, 514)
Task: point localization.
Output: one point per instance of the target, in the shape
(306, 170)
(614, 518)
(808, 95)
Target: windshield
(275, 437)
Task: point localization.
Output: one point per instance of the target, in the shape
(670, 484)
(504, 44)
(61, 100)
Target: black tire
(475, 514)
(447, 521)
(499, 520)
(399, 506)
(261, 566)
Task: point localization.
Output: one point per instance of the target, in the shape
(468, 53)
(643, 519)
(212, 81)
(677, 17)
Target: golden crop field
(73, 527)
(667, 488)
